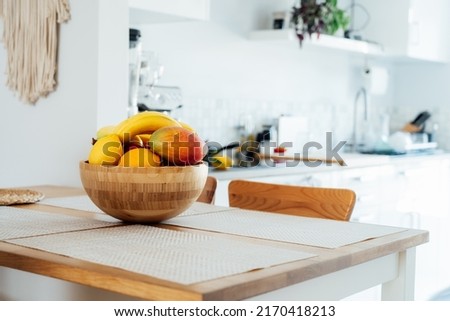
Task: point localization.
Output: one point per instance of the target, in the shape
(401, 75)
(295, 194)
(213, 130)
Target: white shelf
(324, 41)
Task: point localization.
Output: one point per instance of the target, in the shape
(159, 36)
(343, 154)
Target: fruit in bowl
(146, 169)
(178, 145)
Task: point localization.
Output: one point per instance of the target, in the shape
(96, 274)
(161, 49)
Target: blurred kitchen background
(232, 75)
(232, 72)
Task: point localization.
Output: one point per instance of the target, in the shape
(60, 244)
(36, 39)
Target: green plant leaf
(317, 17)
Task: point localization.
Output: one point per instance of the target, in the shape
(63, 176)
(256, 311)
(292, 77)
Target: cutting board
(281, 158)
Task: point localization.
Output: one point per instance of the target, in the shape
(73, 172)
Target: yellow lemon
(106, 151)
(221, 162)
(140, 157)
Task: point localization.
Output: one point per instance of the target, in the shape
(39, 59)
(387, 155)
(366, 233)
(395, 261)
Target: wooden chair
(329, 203)
(209, 191)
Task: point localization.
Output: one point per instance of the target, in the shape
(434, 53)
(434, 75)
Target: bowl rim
(84, 164)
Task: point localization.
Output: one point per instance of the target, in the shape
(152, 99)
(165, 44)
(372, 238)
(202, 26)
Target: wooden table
(330, 275)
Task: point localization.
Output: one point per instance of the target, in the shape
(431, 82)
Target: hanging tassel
(31, 40)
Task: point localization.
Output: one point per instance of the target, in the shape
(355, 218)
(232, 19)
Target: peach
(178, 145)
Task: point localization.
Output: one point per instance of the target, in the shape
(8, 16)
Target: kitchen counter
(352, 161)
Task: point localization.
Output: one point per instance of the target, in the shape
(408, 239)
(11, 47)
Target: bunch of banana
(114, 142)
(143, 123)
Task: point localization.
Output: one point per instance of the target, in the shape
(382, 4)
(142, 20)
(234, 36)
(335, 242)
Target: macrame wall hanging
(30, 36)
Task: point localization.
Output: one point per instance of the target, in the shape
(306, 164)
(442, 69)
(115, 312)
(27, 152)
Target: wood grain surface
(330, 203)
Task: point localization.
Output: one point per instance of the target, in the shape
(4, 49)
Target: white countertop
(352, 160)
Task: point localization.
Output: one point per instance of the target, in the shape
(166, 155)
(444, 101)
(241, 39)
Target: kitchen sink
(383, 152)
(415, 152)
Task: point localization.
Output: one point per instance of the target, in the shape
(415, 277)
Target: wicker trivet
(19, 196)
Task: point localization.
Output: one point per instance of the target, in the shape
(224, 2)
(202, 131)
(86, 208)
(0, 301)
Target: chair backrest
(329, 203)
(209, 191)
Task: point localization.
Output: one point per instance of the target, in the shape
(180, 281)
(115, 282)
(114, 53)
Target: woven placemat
(17, 222)
(78, 202)
(176, 256)
(19, 196)
(285, 228)
(84, 203)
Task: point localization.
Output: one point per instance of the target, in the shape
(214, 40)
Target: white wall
(225, 77)
(42, 144)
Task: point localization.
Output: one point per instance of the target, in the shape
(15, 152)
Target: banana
(145, 122)
(106, 130)
(221, 162)
(144, 138)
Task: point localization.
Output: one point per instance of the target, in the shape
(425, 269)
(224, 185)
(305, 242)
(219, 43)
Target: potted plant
(318, 16)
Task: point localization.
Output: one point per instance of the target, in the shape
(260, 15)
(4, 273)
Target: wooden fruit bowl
(143, 195)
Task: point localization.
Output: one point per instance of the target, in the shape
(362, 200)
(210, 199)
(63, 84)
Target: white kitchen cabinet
(368, 184)
(409, 192)
(424, 204)
(157, 11)
(221, 198)
(416, 29)
(316, 180)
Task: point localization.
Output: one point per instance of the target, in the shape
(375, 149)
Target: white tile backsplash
(218, 119)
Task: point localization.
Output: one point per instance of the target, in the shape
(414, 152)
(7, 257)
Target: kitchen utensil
(215, 149)
(160, 98)
(400, 141)
(417, 124)
(280, 158)
(143, 195)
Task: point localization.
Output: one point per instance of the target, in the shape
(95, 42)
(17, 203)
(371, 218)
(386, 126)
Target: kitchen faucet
(362, 91)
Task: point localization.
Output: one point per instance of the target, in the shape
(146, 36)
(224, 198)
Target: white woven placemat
(81, 203)
(84, 203)
(176, 256)
(204, 208)
(19, 222)
(286, 228)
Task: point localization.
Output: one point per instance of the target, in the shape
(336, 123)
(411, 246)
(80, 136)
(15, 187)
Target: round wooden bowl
(143, 195)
